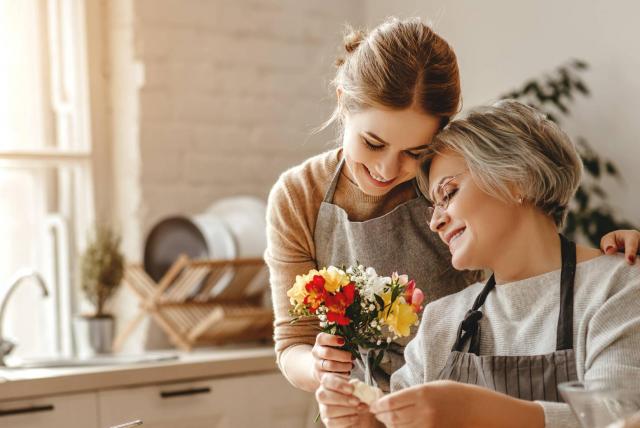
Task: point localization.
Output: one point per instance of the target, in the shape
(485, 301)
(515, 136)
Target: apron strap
(328, 197)
(469, 328)
(564, 334)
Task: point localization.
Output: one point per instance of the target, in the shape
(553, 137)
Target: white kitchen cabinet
(257, 400)
(65, 411)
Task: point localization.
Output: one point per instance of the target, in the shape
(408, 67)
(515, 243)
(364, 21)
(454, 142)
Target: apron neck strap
(564, 336)
(469, 327)
(328, 197)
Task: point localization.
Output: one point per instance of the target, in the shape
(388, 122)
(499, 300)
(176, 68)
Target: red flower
(339, 319)
(317, 293)
(339, 302)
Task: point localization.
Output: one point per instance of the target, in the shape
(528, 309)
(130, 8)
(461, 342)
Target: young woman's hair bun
(352, 39)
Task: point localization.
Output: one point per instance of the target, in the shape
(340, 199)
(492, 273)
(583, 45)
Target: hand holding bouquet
(369, 311)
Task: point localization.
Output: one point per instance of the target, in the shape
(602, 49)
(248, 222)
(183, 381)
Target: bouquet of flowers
(368, 310)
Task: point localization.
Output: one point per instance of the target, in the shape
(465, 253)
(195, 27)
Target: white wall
(230, 94)
(500, 44)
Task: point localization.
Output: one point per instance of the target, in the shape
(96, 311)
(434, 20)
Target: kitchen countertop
(202, 363)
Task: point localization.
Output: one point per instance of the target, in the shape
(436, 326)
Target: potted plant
(101, 271)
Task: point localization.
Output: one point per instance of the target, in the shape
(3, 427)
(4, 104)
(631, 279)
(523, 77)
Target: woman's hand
(329, 359)
(618, 240)
(432, 404)
(452, 404)
(338, 406)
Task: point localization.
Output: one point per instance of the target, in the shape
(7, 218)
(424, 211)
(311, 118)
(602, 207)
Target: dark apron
(529, 377)
(397, 241)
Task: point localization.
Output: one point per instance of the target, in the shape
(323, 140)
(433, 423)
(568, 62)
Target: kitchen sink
(98, 360)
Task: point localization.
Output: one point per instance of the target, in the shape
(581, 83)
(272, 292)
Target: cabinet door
(270, 401)
(264, 400)
(65, 411)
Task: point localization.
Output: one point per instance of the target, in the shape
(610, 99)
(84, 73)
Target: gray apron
(529, 377)
(397, 241)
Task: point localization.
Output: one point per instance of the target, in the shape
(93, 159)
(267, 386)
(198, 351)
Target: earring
(520, 200)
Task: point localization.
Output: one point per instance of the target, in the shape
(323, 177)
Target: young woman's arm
(302, 354)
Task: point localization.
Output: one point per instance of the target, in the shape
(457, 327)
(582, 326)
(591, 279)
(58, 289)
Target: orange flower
(316, 293)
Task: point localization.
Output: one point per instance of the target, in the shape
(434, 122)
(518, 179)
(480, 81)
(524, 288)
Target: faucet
(7, 346)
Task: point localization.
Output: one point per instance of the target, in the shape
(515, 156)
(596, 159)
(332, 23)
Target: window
(46, 190)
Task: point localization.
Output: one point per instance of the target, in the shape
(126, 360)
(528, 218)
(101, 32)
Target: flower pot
(94, 334)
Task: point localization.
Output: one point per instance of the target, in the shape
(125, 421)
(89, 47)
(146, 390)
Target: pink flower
(416, 299)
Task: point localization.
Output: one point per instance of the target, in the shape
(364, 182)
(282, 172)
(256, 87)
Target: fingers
(608, 243)
(340, 421)
(394, 410)
(395, 401)
(631, 247)
(627, 240)
(331, 366)
(395, 419)
(332, 354)
(338, 407)
(326, 339)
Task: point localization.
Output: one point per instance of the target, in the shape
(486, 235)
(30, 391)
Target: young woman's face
(474, 224)
(381, 147)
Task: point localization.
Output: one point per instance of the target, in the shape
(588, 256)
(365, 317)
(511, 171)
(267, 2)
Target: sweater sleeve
(612, 343)
(288, 254)
(613, 334)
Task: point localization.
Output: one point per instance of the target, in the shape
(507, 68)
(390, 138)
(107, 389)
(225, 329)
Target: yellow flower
(298, 292)
(334, 278)
(401, 316)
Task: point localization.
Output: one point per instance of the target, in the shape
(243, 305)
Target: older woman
(493, 354)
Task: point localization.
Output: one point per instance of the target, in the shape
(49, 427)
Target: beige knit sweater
(292, 210)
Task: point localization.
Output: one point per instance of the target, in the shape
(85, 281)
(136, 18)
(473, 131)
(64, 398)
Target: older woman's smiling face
(474, 224)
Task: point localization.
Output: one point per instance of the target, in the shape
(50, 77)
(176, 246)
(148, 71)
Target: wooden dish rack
(183, 307)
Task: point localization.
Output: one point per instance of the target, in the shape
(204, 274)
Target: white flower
(372, 307)
(379, 342)
(373, 323)
(389, 340)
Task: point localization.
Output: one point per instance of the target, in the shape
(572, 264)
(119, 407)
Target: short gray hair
(510, 146)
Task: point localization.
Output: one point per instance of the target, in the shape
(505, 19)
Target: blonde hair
(399, 64)
(509, 146)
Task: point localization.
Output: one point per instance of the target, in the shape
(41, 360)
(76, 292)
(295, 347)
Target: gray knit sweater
(520, 318)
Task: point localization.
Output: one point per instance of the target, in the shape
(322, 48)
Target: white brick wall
(228, 93)
(231, 92)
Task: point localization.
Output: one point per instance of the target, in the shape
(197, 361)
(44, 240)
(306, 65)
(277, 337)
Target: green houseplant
(590, 214)
(101, 272)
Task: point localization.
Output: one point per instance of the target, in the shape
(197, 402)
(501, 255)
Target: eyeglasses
(443, 195)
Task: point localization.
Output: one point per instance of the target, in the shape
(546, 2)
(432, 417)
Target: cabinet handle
(30, 409)
(183, 392)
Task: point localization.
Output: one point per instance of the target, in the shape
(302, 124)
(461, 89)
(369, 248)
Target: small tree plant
(102, 268)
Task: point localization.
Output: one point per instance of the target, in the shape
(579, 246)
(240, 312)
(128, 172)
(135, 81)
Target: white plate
(245, 217)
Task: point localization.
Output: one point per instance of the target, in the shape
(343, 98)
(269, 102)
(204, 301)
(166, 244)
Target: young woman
(396, 87)
(493, 354)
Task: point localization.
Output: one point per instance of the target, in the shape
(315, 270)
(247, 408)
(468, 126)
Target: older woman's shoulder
(608, 274)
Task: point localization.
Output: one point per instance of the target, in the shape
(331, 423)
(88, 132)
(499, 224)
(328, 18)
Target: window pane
(26, 116)
(27, 196)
